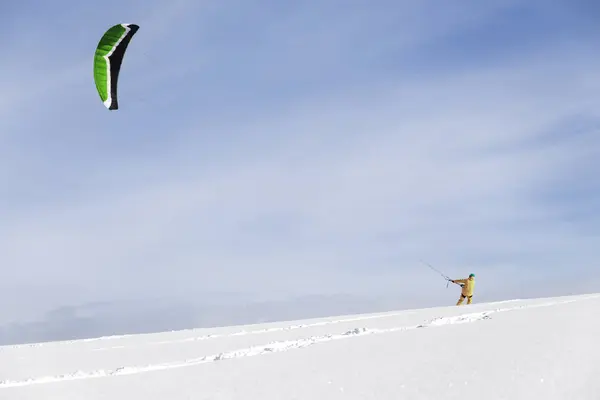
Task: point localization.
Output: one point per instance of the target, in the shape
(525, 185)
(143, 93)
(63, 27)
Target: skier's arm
(460, 281)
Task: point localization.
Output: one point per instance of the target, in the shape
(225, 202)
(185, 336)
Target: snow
(522, 349)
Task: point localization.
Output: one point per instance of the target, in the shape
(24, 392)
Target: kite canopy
(107, 61)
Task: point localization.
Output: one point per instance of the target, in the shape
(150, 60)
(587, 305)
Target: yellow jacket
(468, 286)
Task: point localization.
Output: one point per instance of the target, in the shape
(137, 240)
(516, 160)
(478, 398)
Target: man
(468, 286)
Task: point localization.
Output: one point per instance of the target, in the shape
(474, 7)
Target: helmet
(471, 275)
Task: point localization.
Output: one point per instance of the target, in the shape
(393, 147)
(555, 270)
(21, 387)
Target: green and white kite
(107, 61)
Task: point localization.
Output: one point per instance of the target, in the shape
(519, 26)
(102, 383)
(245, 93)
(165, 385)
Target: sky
(294, 148)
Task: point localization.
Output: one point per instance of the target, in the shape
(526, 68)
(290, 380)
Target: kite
(107, 61)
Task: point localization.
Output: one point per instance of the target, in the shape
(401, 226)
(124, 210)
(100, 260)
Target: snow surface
(523, 349)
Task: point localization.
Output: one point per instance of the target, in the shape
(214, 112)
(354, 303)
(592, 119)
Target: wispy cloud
(307, 148)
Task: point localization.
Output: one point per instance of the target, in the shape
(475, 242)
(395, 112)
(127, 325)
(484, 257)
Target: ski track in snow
(221, 335)
(276, 347)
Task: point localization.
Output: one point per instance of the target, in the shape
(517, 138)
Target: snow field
(543, 348)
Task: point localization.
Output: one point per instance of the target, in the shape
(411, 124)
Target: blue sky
(296, 148)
